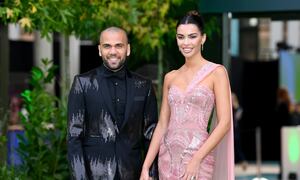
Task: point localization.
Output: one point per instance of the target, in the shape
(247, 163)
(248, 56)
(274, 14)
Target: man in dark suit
(112, 113)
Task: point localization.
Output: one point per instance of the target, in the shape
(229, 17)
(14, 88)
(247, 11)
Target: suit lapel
(105, 94)
(129, 97)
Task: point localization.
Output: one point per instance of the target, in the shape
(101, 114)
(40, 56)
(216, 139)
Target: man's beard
(120, 65)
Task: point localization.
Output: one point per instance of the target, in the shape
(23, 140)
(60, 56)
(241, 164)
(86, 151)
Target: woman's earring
(202, 45)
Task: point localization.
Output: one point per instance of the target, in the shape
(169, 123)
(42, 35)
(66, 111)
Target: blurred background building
(260, 45)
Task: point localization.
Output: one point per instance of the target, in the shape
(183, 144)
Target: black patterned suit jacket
(97, 147)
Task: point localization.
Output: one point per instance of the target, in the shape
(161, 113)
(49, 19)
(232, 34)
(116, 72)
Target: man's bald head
(113, 29)
(114, 48)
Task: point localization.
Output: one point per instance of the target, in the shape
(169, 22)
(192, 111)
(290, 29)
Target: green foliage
(44, 146)
(212, 26)
(3, 120)
(2, 140)
(147, 21)
(3, 127)
(47, 16)
(150, 24)
(11, 173)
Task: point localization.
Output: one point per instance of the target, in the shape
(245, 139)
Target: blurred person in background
(14, 130)
(237, 112)
(295, 116)
(284, 107)
(283, 118)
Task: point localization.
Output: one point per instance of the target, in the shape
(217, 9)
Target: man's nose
(113, 50)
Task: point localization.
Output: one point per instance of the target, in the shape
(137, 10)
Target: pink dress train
(190, 113)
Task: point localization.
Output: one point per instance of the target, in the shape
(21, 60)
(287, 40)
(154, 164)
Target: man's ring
(193, 178)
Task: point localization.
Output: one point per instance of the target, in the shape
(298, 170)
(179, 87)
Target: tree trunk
(4, 69)
(160, 75)
(4, 78)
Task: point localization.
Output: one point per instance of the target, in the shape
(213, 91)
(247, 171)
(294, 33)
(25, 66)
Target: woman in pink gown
(186, 148)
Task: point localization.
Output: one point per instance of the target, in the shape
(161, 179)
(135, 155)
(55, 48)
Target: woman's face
(189, 39)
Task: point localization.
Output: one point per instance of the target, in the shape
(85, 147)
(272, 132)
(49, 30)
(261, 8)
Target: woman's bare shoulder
(220, 72)
(170, 75)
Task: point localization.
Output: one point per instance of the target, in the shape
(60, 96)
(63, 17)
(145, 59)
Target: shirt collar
(120, 74)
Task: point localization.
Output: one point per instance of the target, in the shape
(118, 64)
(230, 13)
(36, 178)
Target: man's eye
(119, 46)
(106, 46)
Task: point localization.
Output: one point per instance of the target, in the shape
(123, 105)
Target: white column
(69, 61)
(276, 35)
(74, 57)
(43, 48)
(14, 32)
(293, 34)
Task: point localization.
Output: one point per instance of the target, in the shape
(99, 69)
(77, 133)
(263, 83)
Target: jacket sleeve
(76, 117)
(150, 121)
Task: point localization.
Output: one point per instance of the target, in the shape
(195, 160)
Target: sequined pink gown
(190, 112)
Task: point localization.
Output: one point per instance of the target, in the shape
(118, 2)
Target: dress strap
(204, 72)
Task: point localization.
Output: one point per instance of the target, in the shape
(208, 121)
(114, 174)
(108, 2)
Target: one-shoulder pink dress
(191, 110)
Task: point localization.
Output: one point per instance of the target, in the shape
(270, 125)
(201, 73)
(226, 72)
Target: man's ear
(128, 49)
(99, 49)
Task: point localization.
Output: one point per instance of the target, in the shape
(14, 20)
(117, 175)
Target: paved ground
(269, 171)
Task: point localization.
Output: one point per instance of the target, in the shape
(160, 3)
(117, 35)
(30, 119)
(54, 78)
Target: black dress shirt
(116, 82)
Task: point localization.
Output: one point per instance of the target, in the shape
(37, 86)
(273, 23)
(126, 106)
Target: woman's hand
(192, 170)
(145, 174)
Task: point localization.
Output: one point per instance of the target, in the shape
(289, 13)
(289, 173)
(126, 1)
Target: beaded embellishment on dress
(190, 112)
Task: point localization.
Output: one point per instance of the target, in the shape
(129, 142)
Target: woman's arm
(160, 129)
(221, 89)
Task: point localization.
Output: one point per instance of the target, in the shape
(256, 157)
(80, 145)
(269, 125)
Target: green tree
(147, 21)
(43, 148)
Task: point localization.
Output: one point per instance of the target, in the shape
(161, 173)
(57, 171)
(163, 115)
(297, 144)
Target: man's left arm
(150, 121)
